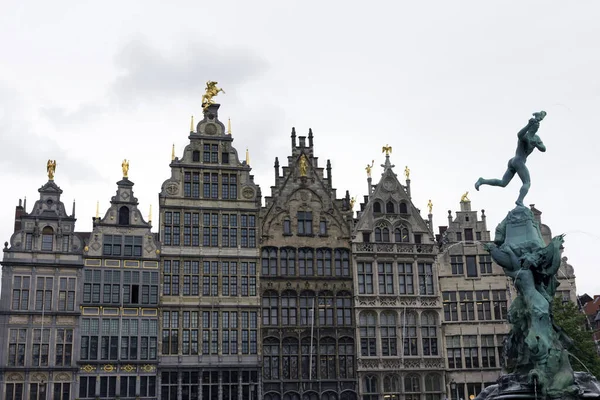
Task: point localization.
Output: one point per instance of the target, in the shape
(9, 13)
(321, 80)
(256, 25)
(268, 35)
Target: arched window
(305, 262)
(409, 329)
(310, 396)
(291, 396)
(377, 234)
(389, 207)
(346, 357)
(47, 239)
(391, 387)
(377, 207)
(403, 208)
(370, 389)
(348, 395)
(324, 262)
(343, 309)
(327, 359)
(342, 262)
(433, 387)
(329, 396)
(124, 215)
(269, 308)
(368, 337)
(271, 360)
(290, 359)
(288, 308)
(429, 334)
(309, 345)
(272, 396)
(389, 340)
(287, 261)
(307, 304)
(269, 261)
(412, 387)
(385, 235)
(325, 309)
(401, 235)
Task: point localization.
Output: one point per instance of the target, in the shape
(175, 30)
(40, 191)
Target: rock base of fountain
(515, 387)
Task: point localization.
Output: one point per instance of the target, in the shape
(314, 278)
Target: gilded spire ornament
(192, 124)
(387, 149)
(229, 126)
(369, 167)
(303, 165)
(150, 214)
(173, 152)
(97, 210)
(247, 157)
(211, 91)
(51, 168)
(352, 202)
(430, 206)
(407, 173)
(125, 167)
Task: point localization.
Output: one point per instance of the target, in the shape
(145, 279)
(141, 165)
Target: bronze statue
(125, 166)
(303, 165)
(465, 198)
(528, 141)
(430, 206)
(211, 91)
(369, 167)
(387, 149)
(407, 173)
(50, 168)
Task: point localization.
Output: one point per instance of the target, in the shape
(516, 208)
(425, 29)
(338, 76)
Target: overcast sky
(446, 83)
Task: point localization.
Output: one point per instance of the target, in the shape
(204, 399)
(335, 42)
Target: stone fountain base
(515, 387)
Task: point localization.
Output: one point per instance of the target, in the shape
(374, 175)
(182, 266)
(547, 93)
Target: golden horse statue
(211, 91)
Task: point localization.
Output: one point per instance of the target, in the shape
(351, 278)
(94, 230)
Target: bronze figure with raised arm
(528, 141)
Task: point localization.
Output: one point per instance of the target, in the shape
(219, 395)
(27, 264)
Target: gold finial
(465, 198)
(407, 173)
(173, 152)
(192, 124)
(247, 157)
(150, 214)
(352, 201)
(369, 167)
(387, 149)
(229, 126)
(430, 206)
(51, 168)
(97, 210)
(303, 165)
(125, 166)
(211, 91)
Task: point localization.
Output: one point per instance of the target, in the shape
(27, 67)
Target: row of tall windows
(123, 246)
(105, 387)
(411, 389)
(225, 384)
(209, 332)
(395, 278)
(116, 287)
(38, 391)
(306, 308)
(394, 330)
(458, 262)
(210, 185)
(47, 242)
(466, 352)
(306, 261)
(215, 229)
(42, 347)
(209, 278)
(479, 305)
(44, 289)
(119, 338)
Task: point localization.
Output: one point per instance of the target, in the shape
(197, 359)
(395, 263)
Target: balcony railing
(400, 248)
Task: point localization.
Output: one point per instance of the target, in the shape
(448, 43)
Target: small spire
(73, 213)
(150, 214)
(310, 137)
(247, 157)
(192, 124)
(229, 126)
(97, 210)
(173, 152)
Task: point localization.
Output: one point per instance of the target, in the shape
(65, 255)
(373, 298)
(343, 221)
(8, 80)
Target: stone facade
(476, 296)
(308, 329)
(397, 305)
(39, 304)
(118, 328)
(209, 343)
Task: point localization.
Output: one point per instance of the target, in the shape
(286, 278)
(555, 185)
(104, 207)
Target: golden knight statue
(211, 91)
(51, 168)
(465, 198)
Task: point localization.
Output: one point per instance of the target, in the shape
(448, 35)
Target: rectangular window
(485, 264)
(112, 245)
(425, 278)
(108, 387)
(457, 265)
(450, 306)
(469, 234)
(500, 305)
(304, 223)
(64, 347)
(467, 306)
(66, 294)
(453, 349)
(187, 184)
(171, 277)
(14, 391)
(365, 278)
(484, 309)
(62, 391)
(405, 278)
(477, 235)
(28, 241)
(471, 266)
(488, 351)
(40, 347)
(43, 293)
(385, 276)
(37, 391)
(16, 347)
(471, 351)
(20, 295)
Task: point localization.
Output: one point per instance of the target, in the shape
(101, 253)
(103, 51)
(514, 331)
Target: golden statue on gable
(50, 168)
(303, 165)
(125, 167)
(465, 198)
(407, 173)
(369, 167)
(211, 91)
(387, 149)
(430, 206)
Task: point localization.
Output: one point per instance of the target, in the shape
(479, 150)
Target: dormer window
(304, 223)
(377, 207)
(196, 156)
(389, 207)
(124, 215)
(47, 239)
(403, 208)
